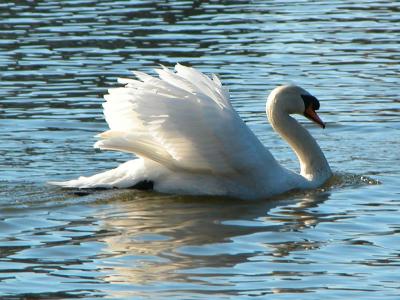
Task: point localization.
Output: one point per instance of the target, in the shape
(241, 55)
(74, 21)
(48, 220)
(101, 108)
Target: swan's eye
(310, 100)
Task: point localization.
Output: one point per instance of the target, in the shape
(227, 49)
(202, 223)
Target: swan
(190, 140)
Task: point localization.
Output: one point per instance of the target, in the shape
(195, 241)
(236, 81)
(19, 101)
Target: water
(57, 58)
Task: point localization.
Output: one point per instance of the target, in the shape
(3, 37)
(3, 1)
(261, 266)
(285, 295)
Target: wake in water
(339, 180)
(343, 180)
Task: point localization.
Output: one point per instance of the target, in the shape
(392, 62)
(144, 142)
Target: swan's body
(190, 140)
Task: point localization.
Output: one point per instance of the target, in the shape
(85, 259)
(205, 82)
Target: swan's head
(292, 99)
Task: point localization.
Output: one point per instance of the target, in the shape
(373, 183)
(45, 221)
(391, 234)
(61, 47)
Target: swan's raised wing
(182, 120)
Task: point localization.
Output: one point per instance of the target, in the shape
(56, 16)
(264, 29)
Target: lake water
(57, 59)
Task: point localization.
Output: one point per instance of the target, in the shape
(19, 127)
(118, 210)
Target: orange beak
(312, 115)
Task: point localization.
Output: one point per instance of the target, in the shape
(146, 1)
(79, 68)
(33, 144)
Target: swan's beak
(312, 115)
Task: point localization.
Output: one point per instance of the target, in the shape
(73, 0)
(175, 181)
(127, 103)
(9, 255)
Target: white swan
(190, 140)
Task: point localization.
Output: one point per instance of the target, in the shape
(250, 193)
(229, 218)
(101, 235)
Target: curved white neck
(313, 164)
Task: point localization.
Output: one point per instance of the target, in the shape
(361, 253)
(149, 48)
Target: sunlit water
(342, 241)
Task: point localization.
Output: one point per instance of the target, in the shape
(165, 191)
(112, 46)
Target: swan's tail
(125, 175)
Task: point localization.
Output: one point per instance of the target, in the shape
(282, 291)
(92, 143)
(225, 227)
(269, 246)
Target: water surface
(57, 59)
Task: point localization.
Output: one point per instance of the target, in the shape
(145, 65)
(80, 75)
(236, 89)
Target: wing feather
(182, 120)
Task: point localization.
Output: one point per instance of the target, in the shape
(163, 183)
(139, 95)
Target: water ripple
(58, 58)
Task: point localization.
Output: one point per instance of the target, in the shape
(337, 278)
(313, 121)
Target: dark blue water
(57, 59)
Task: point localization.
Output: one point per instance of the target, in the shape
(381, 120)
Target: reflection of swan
(190, 140)
(190, 239)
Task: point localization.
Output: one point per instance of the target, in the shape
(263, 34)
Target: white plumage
(189, 140)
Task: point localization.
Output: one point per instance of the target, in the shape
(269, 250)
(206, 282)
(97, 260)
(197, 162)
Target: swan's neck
(313, 164)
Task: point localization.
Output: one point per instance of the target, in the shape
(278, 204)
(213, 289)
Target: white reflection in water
(171, 239)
